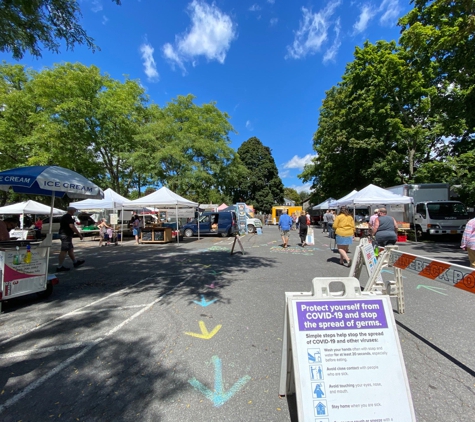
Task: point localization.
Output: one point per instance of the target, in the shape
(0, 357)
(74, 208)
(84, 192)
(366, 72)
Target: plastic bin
(402, 238)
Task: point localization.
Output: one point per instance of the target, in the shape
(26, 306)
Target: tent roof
(323, 205)
(112, 200)
(30, 207)
(336, 203)
(374, 195)
(162, 198)
(222, 207)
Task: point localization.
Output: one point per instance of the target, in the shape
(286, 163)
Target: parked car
(56, 220)
(253, 224)
(212, 223)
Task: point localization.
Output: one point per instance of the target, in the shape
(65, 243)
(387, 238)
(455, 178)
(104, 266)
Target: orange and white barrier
(452, 274)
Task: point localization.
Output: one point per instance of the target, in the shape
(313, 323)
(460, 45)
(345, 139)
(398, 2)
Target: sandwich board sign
(347, 362)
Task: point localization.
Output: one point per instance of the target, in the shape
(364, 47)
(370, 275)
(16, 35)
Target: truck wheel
(46, 293)
(419, 233)
(188, 233)
(250, 228)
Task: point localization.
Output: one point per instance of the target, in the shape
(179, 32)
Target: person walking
(303, 229)
(285, 224)
(344, 227)
(103, 231)
(67, 228)
(331, 219)
(136, 229)
(468, 241)
(385, 229)
(325, 221)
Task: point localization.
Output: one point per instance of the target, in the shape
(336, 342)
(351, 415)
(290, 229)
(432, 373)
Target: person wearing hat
(373, 218)
(67, 228)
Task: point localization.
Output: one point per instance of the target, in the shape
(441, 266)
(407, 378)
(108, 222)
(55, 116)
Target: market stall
(108, 206)
(27, 207)
(374, 197)
(24, 265)
(163, 199)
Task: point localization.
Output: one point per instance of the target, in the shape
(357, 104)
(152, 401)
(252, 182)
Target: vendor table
(156, 235)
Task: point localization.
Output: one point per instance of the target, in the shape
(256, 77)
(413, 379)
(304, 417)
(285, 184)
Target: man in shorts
(285, 224)
(67, 228)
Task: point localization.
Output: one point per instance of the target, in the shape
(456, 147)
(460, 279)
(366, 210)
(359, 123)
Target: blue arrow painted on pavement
(218, 397)
(203, 302)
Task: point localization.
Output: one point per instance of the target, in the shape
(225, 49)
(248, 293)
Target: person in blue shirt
(285, 224)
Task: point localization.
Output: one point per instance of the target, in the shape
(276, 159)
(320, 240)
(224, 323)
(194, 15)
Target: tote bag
(310, 240)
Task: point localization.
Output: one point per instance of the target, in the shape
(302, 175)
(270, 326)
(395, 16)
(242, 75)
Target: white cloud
(149, 64)
(330, 54)
(210, 36)
(298, 163)
(367, 13)
(104, 20)
(255, 8)
(302, 188)
(271, 1)
(174, 58)
(284, 174)
(391, 12)
(274, 21)
(249, 125)
(96, 6)
(313, 31)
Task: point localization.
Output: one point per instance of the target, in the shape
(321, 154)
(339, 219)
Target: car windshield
(447, 210)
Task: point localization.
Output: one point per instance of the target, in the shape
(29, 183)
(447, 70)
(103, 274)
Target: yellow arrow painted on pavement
(205, 334)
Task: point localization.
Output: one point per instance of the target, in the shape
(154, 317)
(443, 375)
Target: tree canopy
(402, 113)
(29, 25)
(261, 186)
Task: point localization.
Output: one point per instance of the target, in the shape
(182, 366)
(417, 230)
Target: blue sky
(267, 63)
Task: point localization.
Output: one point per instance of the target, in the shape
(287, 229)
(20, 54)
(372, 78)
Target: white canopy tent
(112, 201)
(324, 205)
(335, 203)
(373, 195)
(163, 198)
(29, 207)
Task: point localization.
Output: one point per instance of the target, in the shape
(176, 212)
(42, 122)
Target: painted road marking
(218, 396)
(28, 389)
(432, 288)
(203, 302)
(118, 308)
(79, 310)
(44, 350)
(205, 334)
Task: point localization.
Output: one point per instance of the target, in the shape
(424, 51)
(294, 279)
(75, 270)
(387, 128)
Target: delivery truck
(433, 213)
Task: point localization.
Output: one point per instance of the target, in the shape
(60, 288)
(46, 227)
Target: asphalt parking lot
(190, 332)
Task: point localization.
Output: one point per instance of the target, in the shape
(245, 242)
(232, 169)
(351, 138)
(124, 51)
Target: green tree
(439, 36)
(261, 186)
(16, 108)
(72, 116)
(86, 121)
(29, 25)
(377, 126)
(292, 194)
(186, 148)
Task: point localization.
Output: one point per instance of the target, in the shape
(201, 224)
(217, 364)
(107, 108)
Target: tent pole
(177, 230)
